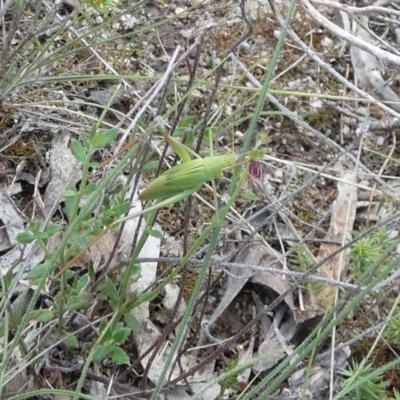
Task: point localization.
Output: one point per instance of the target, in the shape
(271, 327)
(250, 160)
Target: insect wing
(214, 166)
(175, 180)
(154, 190)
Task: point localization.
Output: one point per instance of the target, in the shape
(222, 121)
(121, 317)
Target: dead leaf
(62, 163)
(257, 254)
(340, 230)
(12, 219)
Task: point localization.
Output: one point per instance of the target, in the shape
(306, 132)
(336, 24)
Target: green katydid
(184, 179)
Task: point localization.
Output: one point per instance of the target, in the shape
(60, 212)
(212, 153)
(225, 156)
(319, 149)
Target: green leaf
(93, 130)
(42, 315)
(155, 233)
(147, 218)
(78, 151)
(79, 240)
(133, 323)
(250, 196)
(90, 188)
(70, 203)
(70, 193)
(102, 326)
(81, 282)
(52, 229)
(34, 226)
(71, 341)
(120, 335)
(256, 154)
(111, 291)
(119, 356)
(150, 166)
(182, 125)
(40, 270)
(101, 140)
(105, 331)
(79, 301)
(25, 237)
(120, 209)
(100, 352)
(41, 235)
(115, 190)
(190, 140)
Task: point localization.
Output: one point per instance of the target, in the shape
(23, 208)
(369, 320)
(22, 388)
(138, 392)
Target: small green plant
(112, 338)
(367, 385)
(368, 250)
(111, 342)
(393, 332)
(231, 381)
(100, 6)
(35, 233)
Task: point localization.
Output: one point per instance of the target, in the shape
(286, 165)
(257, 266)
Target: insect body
(182, 180)
(187, 177)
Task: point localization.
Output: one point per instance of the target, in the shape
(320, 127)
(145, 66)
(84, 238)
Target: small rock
(327, 43)
(186, 33)
(179, 10)
(379, 140)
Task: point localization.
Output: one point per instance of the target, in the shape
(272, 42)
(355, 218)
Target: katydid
(184, 179)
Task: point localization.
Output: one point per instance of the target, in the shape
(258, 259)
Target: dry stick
(381, 125)
(383, 55)
(36, 195)
(341, 141)
(368, 10)
(121, 151)
(226, 266)
(279, 299)
(343, 110)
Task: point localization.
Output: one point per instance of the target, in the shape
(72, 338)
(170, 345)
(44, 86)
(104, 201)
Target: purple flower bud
(255, 169)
